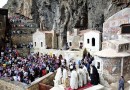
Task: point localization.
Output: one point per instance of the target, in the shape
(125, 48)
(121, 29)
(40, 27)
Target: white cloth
(74, 80)
(85, 74)
(80, 75)
(15, 78)
(65, 74)
(25, 74)
(58, 76)
(62, 62)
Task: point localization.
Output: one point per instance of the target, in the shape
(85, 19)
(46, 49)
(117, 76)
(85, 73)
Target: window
(98, 65)
(88, 41)
(120, 48)
(127, 46)
(93, 41)
(125, 29)
(70, 43)
(35, 44)
(81, 45)
(41, 44)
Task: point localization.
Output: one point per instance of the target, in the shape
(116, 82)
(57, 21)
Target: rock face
(63, 15)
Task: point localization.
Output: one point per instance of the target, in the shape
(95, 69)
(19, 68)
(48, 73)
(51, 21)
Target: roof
(128, 24)
(119, 41)
(82, 32)
(43, 31)
(111, 53)
(120, 14)
(90, 30)
(85, 31)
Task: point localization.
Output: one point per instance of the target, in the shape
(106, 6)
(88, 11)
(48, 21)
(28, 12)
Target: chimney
(68, 33)
(76, 31)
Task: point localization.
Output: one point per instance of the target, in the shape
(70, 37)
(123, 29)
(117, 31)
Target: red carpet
(81, 88)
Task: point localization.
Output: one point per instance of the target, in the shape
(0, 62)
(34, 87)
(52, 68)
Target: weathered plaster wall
(112, 67)
(111, 27)
(126, 68)
(110, 71)
(97, 39)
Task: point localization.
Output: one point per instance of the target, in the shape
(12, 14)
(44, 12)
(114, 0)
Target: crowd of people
(26, 69)
(19, 20)
(78, 74)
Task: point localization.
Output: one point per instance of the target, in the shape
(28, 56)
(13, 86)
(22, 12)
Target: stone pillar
(54, 40)
(122, 61)
(129, 84)
(60, 41)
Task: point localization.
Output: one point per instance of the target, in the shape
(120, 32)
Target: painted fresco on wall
(113, 66)
(126, 66)
(111, 26)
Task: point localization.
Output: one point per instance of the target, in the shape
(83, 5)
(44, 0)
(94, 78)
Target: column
(122, 61)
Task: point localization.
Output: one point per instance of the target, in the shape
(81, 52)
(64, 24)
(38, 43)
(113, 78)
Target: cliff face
(63, 15)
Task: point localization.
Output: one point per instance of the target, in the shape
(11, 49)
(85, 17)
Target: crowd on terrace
(19, 20)
(26, 69)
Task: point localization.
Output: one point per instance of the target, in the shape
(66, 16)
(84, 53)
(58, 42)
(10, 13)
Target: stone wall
(25, 37)
(6, 84)
(20, 39)
(126, 69)
(47, 79)
(66, 54)
(2, 28)
(2, 25)
(48, 39)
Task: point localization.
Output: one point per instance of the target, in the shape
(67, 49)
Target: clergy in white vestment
(74, 79)
(85, 74)
(65, 76)
(58, 76)
(80, 76)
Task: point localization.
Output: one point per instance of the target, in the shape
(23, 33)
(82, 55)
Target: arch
(41, 44)
(93, 41)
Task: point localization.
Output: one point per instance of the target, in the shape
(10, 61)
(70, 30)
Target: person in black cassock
(94, 75)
